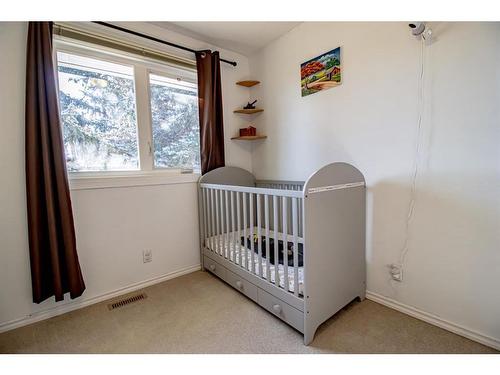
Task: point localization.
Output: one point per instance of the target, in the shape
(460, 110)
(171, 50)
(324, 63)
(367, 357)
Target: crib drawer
(242, 285)
(214, 267)
(282, 310)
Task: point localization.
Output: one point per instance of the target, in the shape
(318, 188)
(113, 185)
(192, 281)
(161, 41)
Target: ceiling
(242, 37)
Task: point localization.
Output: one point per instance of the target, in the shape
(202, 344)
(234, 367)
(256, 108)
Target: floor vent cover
(127, 301)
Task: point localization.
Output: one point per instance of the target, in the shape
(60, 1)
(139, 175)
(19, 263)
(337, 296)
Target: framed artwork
(321, 73)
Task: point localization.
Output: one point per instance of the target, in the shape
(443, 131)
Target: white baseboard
(435, 320)
(58, 310)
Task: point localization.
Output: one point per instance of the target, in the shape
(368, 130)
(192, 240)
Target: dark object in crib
(281, 255)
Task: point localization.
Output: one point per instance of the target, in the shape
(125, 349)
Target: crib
(296, 248)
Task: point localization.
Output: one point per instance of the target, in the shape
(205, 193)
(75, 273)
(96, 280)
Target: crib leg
(362, 296)
(202, 265)
(308, 339)
(309, 331)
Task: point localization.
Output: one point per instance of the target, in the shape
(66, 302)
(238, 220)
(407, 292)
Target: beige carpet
(198, 313)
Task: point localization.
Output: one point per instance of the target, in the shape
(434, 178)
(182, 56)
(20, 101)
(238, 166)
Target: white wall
(113, 225)
(452, 268)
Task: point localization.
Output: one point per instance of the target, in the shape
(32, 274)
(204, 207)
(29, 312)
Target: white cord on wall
(413, 192)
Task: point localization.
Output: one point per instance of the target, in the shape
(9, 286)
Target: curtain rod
(233, 63)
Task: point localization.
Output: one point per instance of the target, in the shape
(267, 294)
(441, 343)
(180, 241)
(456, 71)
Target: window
(123, 113)
(97, 102)
(174, 118)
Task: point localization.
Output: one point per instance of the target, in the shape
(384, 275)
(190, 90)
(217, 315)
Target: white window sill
(107, 180)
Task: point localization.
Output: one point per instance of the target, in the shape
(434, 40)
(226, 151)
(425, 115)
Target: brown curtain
(54, 261)
(210, 108)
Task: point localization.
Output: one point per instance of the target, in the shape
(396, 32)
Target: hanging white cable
(413, 191)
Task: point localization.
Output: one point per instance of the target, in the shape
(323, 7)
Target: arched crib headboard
(334, 174)
(228, 176)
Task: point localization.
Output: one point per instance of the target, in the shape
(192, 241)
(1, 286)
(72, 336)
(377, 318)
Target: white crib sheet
(236, 249)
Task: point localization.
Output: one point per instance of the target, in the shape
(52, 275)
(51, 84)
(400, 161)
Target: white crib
(297, 249)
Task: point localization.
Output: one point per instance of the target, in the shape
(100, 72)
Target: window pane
(174, 113)
(98, 113)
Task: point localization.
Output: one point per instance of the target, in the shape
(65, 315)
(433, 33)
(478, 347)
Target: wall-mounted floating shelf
(247, 83)
(248, 111)
(250, 137)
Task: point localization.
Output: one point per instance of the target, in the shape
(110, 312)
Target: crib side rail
(231, 213)
(254, 190)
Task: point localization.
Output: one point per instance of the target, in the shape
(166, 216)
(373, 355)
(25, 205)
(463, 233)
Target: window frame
(147, 174)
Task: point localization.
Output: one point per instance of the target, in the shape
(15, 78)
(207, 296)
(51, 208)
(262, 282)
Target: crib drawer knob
(277, 308)
(239, 284)
(212, 267)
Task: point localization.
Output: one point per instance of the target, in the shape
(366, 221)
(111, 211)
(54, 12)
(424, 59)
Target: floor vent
(127, 301)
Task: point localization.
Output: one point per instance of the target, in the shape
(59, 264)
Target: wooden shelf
(250, 137)
(248, 83)
(248, 111)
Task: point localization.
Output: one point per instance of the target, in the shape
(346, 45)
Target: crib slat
(295, 248)
(259, 241)
(244, 248)
(219, 227)
(228, 255)
(209, 233)
(266, 219)
(222, 234)
(214, 223)
(252, 230)
(233, 242)
(221, 221)
(276, 239)
(205, 216)
(224, 224)
(285, 243)
(216, 227)
(299, 213)
(238, 217)
(215, 245)
(219, 232)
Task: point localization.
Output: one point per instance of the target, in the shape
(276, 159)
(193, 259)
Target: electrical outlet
(147, 256)
(396, 272)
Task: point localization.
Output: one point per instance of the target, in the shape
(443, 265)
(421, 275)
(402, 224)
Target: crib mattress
(232, 251)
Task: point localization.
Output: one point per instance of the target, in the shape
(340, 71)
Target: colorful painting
(321, 73)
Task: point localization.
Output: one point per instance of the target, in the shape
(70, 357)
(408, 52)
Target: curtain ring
(203, 55)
